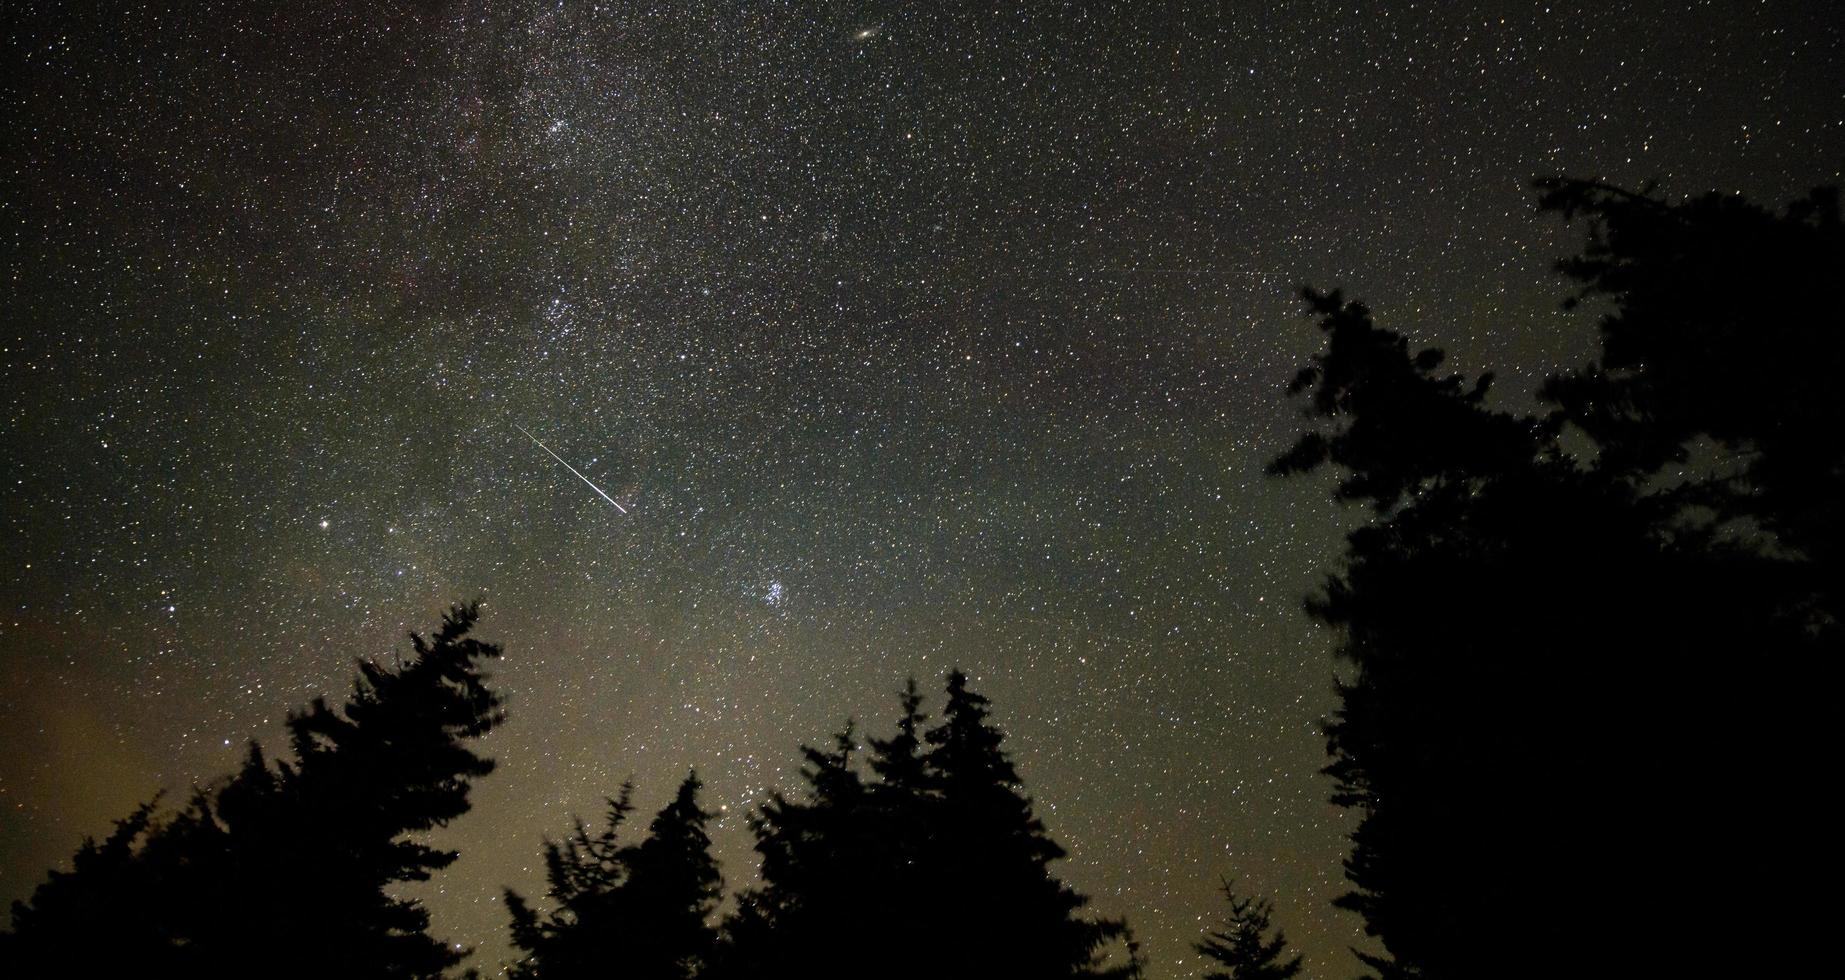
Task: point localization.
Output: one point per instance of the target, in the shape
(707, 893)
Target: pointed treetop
(1243, 948)
(898, 760)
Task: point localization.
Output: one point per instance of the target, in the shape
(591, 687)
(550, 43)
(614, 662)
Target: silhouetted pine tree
(581, 873)
(1243, 948)
(673, 887)
(640, 910)
(992, 855)
(1538, 642)
(903, 807)
(103, 895)
(287, 870)
(1721, 325)
(820, 871)
(898, 761)
(936, 868)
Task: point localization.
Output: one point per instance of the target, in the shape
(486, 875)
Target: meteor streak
(571, 468)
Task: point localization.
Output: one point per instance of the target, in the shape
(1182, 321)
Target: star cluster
(910, 335)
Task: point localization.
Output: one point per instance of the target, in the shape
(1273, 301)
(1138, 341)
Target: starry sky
(909, 335)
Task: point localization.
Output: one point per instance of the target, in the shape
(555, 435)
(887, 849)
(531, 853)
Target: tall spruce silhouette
(1529, 632)
(639, 910)
(935, 866)
(993, 855)
(1243, 948)
(289, 869)
(822, 907)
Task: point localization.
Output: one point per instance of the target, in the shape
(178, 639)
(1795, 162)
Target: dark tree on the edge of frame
(285, 869)
(1582, 694)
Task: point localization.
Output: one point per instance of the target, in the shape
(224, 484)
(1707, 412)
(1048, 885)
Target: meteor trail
(571, 468)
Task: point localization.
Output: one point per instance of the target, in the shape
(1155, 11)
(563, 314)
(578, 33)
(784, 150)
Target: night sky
(908, 335)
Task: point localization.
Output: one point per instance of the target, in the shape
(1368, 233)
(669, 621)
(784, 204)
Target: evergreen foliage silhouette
(995, 852)
(640, 910)
(823, 867)
(1244, 949)
(1721, 326)
(103, 894)
(288, 869)
(1525, 627)
(938, 866)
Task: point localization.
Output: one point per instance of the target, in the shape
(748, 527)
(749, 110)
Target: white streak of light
(571, 468)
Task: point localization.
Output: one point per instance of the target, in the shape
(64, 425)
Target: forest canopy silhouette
(1573, 670)
(1582, 652)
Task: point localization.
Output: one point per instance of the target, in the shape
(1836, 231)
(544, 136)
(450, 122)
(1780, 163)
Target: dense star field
(907, 336)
